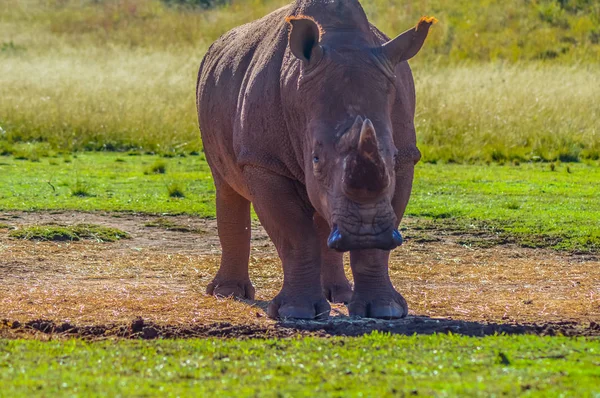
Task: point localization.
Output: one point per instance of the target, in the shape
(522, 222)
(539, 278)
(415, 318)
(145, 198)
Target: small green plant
(11, 47)
(5, 226)
(513, 205)
(27, 155)
(81, 190)
(57, 233)
(175, 190)
(169, 225)
(6, 149)
(159, 167)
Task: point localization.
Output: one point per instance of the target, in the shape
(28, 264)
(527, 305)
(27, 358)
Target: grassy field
(377, 365)
(496, 81)
(536, 204)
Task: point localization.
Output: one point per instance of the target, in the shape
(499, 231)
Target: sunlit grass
(488, 112)
(531, 204)
(501, 112)
(101, 100)
(378, 365)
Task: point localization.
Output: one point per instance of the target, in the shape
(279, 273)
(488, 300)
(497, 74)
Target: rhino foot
(299, 307)
(338, 293)
(391, 306)
(237, 289)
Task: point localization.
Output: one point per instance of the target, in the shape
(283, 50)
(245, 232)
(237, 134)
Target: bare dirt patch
(98, 290)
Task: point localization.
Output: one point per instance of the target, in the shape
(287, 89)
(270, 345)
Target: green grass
(69, 233)
(529, 203)
(116, 186)
(496, 80)
(169, 225)
(375, 365)
(537, 206)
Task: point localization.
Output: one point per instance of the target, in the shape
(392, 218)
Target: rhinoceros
(308, 114)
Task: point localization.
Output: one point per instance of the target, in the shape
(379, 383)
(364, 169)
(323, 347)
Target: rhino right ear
(408, 44)
(304, 38)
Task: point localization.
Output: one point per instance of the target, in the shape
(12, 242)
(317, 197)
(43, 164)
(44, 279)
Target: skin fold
(308, 114)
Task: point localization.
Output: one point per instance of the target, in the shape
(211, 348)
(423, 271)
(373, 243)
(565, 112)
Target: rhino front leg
(233, 223)
(374, 295)
(336, 286)
(286, 214)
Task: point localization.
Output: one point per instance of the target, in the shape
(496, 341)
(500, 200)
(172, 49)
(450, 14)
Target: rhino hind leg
(286, 215)
(374, 295)
(233, 223)
(335, 284)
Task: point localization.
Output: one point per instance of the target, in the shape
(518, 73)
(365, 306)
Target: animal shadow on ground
(343, 325)
(339, 325)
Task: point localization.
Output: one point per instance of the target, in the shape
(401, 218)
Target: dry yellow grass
(97, 284)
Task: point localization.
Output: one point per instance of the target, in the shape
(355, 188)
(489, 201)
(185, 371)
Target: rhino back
(238, 98)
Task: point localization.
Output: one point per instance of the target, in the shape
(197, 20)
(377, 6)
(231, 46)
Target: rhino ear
(304, 38)
(408, 44)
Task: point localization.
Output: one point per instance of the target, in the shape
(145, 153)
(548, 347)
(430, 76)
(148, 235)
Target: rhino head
(349, 88)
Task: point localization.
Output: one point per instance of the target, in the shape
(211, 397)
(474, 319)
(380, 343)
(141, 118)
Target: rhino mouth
(361, 227)
(345, 241)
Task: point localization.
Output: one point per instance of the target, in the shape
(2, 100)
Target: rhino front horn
(365, 176)
(348, 140)
(368, 146)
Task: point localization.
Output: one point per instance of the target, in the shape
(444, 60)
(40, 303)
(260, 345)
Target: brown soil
(153, 286)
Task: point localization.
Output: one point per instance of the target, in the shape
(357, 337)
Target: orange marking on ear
(292, 18)
(426, 20)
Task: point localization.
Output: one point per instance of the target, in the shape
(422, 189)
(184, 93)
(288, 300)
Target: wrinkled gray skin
(315, 128)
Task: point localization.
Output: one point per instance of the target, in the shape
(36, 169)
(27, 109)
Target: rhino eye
(315, 159)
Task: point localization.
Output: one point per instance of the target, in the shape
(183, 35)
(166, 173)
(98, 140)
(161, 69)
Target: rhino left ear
(408, 44)
(304, 38)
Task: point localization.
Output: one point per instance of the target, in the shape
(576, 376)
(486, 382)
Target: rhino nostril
(335, 238)
(397, 237)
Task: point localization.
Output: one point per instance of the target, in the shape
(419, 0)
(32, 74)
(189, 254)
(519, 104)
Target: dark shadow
(341, 325)
(349, 326)
(336, 326)
(262, 304)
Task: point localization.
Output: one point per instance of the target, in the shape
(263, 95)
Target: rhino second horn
(349, 139)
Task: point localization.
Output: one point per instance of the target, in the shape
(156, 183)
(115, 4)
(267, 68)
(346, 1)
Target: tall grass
(496, 112)
(92, 100)
(496, 80)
